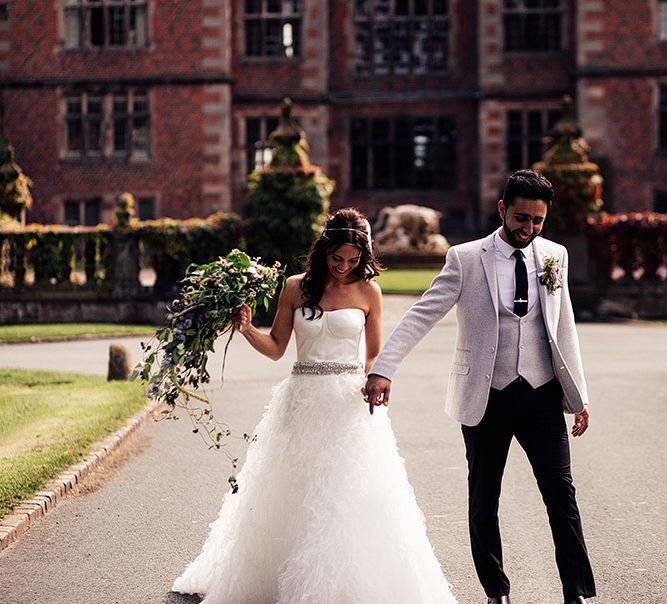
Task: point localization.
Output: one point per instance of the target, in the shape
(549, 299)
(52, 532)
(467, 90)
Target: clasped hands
(376, 391)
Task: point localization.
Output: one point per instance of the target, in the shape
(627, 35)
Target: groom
(515, 370)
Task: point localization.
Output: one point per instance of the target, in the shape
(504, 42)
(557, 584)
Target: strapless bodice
(334, 336)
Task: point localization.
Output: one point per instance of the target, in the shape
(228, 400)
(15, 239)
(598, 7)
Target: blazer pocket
(461, 357)
(460, 369)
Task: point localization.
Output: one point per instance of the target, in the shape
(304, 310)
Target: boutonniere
(552, 276)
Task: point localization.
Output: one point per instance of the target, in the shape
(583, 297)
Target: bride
(325, 513)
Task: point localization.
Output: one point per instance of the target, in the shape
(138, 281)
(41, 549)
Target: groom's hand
(376, 391)
(580, 422)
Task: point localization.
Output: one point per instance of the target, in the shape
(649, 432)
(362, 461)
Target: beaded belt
(325, 368)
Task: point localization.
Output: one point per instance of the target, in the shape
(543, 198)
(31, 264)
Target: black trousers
(535, 418)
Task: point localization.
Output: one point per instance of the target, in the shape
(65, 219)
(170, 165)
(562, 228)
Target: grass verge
(47, 331)
(48, 420)
(406, 280)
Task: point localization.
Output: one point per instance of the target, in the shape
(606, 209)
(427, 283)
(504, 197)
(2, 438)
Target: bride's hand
(244, 319)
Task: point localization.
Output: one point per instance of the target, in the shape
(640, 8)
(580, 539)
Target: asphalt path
(126, 536)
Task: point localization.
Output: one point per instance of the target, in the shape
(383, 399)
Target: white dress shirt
(505, 264)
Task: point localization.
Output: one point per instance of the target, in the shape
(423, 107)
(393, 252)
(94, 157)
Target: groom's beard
(512, 239)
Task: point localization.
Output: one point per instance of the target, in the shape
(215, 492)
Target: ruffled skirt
(324, 513)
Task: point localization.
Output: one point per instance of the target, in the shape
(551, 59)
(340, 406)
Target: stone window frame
(529, 136)
(262, 17)
(99, 131)
(517, 14)
(399, 147)
(402, 21)
(256, 145)
(115, 20)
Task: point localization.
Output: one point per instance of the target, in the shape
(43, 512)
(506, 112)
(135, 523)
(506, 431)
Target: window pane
(273, 39)
(445, 164)
(534, 123)
(402, 7)
(381, 130)
(662, 136)
(662, 28)
(423, 154)
(92, 212)
(95, 121)
(440, 46)
(274, 6)
(138, 34)
(116, 26)
(420, 47)
(74, 124)
(253, 38)
(421, 7)
(120, 128)
(401, 47)
(140, 135)
(146, 208)
(96, 18)
(362, 40)
(439, 7)
(359, 167)
(382, 167)
(72, 27)
(382, 48)
(403, 159)
(359, 131)
(72, 213)
(253, 6)
(361, 7)
(382, 8)
(120, 135)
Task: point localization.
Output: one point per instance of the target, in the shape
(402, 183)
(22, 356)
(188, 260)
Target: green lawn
(48, 421)
(36, 332)
(406, 281)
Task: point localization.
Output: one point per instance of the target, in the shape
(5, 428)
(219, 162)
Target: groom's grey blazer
(468, 280)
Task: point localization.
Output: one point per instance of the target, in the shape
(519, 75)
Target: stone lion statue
(410, 227)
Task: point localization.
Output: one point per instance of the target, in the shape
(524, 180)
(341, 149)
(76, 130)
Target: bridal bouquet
(210, 298)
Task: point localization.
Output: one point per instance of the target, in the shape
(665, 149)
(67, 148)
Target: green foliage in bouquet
(210, 298)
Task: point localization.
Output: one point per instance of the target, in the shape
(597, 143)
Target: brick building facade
(403, 101)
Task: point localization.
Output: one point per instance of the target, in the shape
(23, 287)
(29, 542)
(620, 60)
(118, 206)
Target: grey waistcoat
(523, 349)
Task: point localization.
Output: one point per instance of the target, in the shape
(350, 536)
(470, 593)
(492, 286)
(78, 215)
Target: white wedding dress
(324, 513)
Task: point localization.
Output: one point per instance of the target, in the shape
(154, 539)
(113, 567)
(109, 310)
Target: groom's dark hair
(528, 184)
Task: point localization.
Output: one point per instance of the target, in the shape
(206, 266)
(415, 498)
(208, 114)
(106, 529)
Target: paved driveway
(125, 540)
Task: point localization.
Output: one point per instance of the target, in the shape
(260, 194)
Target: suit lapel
(488, 258)
(546, 302)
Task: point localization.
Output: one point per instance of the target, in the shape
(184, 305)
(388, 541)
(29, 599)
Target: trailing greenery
(210, 297)
(48, 421)
(36, 332)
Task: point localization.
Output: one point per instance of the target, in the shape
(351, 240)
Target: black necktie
(521, 283)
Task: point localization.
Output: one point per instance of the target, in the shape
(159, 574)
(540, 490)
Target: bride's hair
(345, 226)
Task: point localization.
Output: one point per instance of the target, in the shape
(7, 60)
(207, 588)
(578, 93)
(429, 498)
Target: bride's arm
(273, 344)
(373, 325)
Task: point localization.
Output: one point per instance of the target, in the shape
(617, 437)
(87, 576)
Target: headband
(366, 232)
